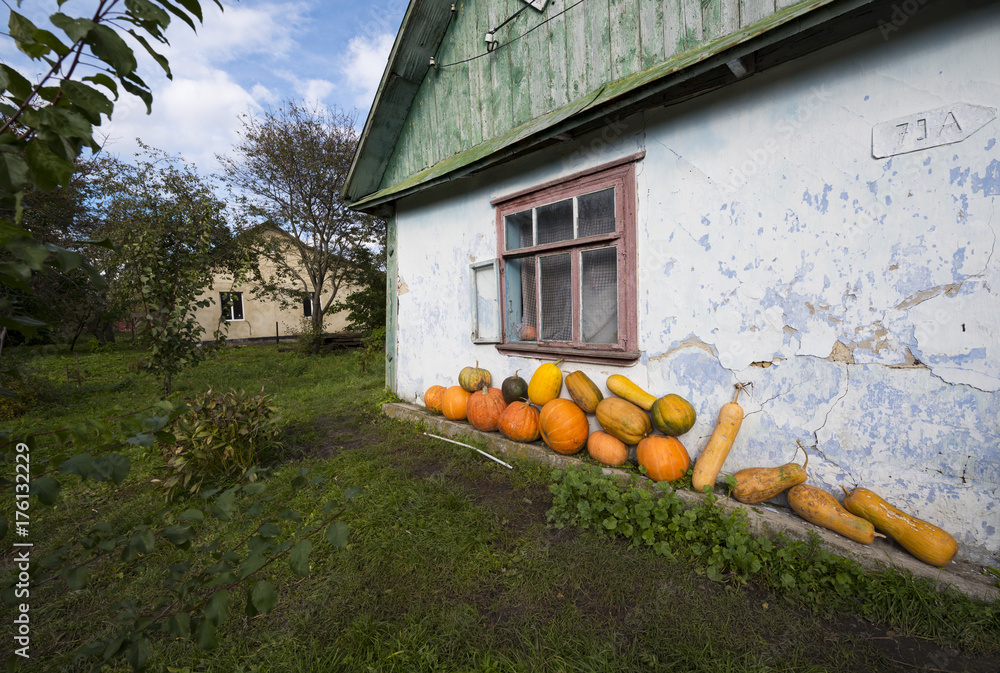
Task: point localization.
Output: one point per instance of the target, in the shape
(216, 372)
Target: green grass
(450, 566)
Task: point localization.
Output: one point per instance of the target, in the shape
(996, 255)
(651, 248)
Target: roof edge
(615, 96)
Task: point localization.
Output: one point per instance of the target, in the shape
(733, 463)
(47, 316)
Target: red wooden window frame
(620, 175)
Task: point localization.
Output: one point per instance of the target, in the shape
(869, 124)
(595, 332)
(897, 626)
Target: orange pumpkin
(664, 458)
(454, 403)
(519, 422)
(563, 426)
(606, 449)
(484, 409)
(432, 398)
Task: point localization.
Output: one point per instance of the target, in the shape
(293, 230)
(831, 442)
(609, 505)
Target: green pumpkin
(474, 379)
(673, 415)
(514, 388)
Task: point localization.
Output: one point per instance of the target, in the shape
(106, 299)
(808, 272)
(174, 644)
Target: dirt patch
(908, 653)
(520, 509)
(329, 436)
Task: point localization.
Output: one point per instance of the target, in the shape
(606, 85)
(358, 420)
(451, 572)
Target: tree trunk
(79, 331)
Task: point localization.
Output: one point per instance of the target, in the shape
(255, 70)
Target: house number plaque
(945, 125)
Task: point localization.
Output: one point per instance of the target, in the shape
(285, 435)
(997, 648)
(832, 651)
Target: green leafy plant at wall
(721, 544)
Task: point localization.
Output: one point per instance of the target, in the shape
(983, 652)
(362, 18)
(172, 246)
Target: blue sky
(254, 54)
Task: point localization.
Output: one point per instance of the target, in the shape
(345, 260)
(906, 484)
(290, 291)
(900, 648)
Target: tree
(365, 306)
(46, 125)
(67, 301)
(171, 231)
(288, 170)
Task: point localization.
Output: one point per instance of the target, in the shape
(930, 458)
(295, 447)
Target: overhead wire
(512, 41)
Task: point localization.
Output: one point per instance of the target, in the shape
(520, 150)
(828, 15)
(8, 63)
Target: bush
(21, 392)
(220, 438)
(372, 349)
(308, 338)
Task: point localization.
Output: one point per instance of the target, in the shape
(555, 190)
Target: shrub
(222, 437)
(308, 337)
(372, 351)
(21, 392)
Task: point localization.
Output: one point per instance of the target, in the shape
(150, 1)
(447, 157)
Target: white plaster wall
(860, 296)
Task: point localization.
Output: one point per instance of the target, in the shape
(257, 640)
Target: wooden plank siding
(546, 60)
(625, 38)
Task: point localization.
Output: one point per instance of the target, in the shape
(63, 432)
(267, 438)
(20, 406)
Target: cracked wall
(860, 296)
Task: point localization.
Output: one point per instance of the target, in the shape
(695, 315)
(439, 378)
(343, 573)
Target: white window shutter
(486, 302)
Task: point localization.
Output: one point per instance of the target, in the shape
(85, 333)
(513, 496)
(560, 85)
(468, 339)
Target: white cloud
(256, 53)
(313, 91)
(196, 113)
(195, 117)
(364, 64)
(262, 94)
(266, 29)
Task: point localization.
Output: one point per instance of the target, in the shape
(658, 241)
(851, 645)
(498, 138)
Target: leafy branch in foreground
(201, 572)
(46, 125)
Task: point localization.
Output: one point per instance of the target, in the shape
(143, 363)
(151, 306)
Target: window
(568, 266)
(307, 307)
(232, 305)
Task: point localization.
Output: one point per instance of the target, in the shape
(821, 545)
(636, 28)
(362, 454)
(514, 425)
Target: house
(245, 314)
(694, 193)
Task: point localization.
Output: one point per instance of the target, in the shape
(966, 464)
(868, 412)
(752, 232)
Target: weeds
(803, 572)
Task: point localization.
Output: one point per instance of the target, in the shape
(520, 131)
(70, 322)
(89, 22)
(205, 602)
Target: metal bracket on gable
(537, 4)
(742, 66)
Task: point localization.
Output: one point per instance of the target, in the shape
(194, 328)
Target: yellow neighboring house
(243, 314)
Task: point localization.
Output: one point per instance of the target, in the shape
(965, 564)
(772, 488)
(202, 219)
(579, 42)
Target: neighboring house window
(232, 305)
(307, 307)
(568, 266)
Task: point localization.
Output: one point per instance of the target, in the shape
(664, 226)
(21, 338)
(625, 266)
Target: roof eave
(419, 36)
(615, 97)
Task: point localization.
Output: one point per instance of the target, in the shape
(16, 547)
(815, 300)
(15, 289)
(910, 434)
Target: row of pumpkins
(630, 417)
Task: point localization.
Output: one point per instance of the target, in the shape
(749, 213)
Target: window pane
(599, 275)
(237, 299)
(596, 213)
(518, 228)
(557, 298)
(307, 307)
(521, 297)
(555, 222)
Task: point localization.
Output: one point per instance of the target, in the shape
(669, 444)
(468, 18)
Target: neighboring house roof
(760, 35)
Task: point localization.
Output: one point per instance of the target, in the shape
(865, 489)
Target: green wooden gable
(559, 72)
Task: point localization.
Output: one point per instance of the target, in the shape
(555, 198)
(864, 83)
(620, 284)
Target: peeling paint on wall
(860, 296)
